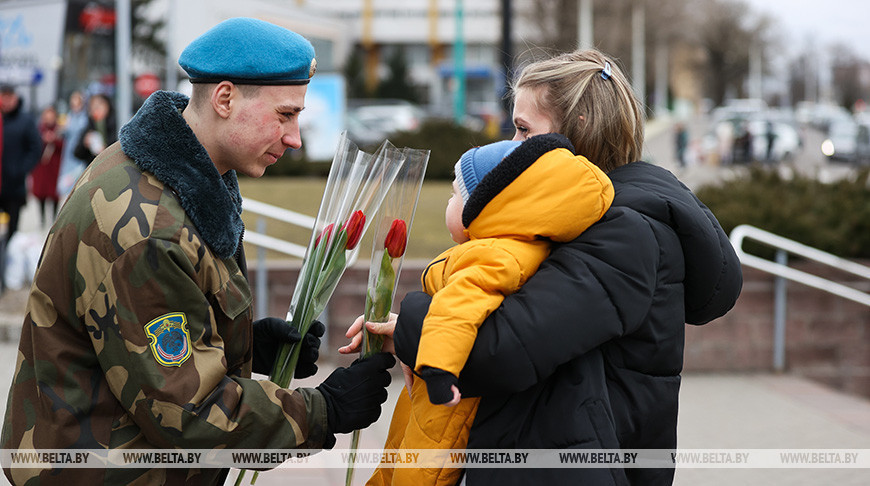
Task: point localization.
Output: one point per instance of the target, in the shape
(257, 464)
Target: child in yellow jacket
(510, 201)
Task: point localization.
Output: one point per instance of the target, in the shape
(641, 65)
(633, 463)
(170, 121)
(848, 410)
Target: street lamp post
(661, 79)
(459, 67)
(638, 55)
(171, 64)
(123, 90)
(507, 64)
(755, 73)
(584, 25)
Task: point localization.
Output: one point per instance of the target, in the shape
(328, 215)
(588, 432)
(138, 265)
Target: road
(659, 149)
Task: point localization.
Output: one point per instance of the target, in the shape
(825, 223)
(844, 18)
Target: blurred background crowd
(392, 65)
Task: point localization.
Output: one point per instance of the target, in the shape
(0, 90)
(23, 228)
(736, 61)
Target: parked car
(862, 147)
(739, 109)
(745, 139)
(842, 141)
(786, 139)
(824, 116)
(372, 120)
(848, 141)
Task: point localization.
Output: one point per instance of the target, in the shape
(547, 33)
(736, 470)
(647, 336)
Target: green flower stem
(323, 272)
(383, 298)
(354, 444)
(378, 305)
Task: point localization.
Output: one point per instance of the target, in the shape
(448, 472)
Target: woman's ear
(222, 98)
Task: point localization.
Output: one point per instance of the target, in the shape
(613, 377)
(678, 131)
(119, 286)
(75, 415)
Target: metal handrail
(280, 214)
(783, 273)
(260, 239)
(264, 242)
(744, 231)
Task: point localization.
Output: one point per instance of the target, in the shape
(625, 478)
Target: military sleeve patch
(170, 339)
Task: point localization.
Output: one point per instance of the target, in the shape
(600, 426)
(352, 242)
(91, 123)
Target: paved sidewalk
(770, 412)
(716, 412)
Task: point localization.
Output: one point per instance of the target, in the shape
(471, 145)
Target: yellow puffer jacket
(555, 198)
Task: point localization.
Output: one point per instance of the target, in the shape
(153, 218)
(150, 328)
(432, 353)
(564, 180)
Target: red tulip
(397, 238)
(354, 228)
(324, 234)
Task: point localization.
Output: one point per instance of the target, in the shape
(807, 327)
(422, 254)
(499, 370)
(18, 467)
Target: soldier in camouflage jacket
(138, 329)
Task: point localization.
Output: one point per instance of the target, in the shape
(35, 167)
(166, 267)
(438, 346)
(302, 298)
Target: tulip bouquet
(357, 184)
(388, 250)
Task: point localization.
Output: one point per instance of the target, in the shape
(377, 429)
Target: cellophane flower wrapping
(391, 232)
(356, 187)
(357, 184)
(390, 239)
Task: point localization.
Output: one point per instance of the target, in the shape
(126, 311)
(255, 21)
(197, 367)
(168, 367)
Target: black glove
(354, 395)
(438, 383)
(409, 326)
(271, 333)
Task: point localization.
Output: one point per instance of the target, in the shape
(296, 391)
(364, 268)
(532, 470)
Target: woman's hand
(385, 329)
(408, 374)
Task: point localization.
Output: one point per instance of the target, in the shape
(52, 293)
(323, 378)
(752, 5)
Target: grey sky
(825, 21)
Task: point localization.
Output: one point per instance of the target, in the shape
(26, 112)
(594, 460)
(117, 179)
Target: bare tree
(148, 33)
(726, 42)
(847, 70)
(727, 30)
(723, 30)
(556, 22)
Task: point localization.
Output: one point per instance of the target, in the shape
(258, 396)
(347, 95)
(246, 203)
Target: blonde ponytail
(598, 113)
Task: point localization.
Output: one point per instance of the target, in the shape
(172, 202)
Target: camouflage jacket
(137, 331)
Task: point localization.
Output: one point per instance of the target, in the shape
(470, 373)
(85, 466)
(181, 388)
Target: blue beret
(249, 51)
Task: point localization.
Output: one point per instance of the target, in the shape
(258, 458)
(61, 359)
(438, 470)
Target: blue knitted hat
(249, 51)
(493, 167)
(477, 162)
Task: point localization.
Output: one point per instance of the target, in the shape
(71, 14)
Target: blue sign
(13, 33)
(323, 118)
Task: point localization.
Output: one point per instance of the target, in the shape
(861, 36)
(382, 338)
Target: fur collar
(159, 141)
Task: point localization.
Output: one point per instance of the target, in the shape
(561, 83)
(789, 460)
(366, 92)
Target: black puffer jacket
(588, 353)
(22, 147)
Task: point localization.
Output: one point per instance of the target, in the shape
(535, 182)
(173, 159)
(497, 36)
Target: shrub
(446, 140)
(295, 163)
(833, 217)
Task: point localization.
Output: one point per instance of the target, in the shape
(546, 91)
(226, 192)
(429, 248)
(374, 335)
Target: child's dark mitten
(438, 384)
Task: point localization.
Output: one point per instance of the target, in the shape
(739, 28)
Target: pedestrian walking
(74, 125)
(100, 131)
(770, 137)
(22, 147)
(44, 175)
(681, 139)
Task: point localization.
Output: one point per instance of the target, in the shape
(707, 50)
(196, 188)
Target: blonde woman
(588, 353)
